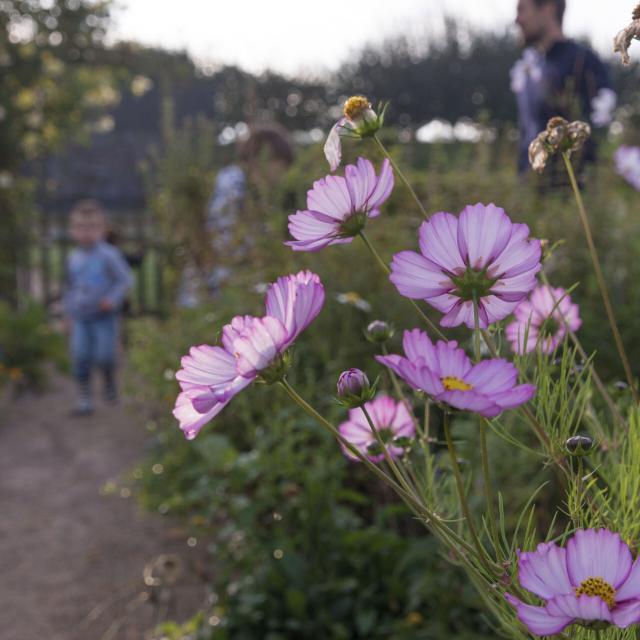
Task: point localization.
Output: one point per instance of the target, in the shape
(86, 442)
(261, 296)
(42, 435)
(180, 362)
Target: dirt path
(71, 558)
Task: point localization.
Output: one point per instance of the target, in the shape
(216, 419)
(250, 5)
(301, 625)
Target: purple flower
(592, 579)
(444, 372)
(352, 382)
(359, 121)
(391, 419)
(481, 254)
(543, 320)
(212, 375)
(627, 160)
(338, 207)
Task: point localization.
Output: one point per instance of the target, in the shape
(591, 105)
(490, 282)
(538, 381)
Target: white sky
(314, 35)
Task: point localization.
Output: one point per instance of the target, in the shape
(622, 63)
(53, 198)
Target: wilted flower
(543, 320)
(481, 255)
(338, 207)
(579, 446)
(391, 419)
(354, 388)
(359, 121)
(444, 372)
(592, 580)
(251, 347)
(378, 331)
(627, 161)
(623, 39)
(538, 155)
(560, 135)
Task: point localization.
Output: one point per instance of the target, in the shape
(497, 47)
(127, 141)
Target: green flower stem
(386, 269)
(402, 479)
(486, 475)
(401, 175)
(480, 550)
(447, 535)
(537, 427)
(594, 374)
(600, 277)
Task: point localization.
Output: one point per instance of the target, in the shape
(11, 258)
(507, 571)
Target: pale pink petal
(259, 344)
(630, 588)
(579, 607)
(598, 553)
(537, 619)
(415, 277)
(330, 196)
(383, 187)
(492, 376)
(191, 421)
(626, 614)
(333, 147)
(483, 233)
(544, 571)
(439, 242)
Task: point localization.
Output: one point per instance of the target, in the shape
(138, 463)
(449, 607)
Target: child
(97, 279)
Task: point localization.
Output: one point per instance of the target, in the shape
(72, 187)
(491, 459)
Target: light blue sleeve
(121, 276)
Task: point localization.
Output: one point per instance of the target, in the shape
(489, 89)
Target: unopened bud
(579, 446)
(354, 388)
(378, 332)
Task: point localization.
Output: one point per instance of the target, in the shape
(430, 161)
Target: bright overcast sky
(314, 35)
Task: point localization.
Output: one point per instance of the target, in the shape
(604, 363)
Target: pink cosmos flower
(480, 255)
(444, 372)
(338, 207)
(627, 161)
(391, 419)
(543, 319)
(593, 579)
(212, 375)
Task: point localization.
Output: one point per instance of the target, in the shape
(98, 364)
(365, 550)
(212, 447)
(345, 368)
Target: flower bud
(579, 446)
(378, 332)
(354, 388)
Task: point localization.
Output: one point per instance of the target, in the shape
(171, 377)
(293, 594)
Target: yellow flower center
(598, 587)
(355, 106)
(452, 383)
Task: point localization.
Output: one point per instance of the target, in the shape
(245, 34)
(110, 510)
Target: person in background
(97, 278)
(556, 76)
(263, 157)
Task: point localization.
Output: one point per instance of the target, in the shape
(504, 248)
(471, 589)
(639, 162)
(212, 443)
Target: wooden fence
(40, 272)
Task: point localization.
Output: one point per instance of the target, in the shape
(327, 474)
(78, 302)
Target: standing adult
(556, 76)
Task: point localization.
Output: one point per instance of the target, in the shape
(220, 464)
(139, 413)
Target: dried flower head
(625, 37)
(578, 132)
(359, 121)
(538, 154)
(559, 135)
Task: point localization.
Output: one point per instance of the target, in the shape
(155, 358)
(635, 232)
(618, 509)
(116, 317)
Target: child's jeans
(93, 343)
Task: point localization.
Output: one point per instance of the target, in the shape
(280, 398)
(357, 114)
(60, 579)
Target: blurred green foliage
(28, 345)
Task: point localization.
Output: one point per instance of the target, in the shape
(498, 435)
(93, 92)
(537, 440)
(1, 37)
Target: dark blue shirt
(569, 80)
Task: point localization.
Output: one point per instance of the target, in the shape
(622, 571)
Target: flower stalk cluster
(478, 270)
